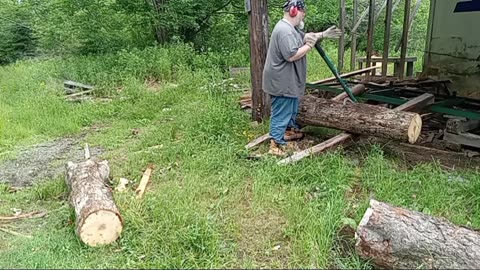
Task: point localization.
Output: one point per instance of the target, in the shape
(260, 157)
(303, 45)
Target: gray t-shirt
(281, 77)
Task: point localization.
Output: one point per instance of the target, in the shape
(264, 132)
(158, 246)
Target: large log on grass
(360, 118)
(98, 220)
(397, 238)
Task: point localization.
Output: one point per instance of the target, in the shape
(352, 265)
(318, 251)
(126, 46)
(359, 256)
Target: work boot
(293, 134)
(276, 149)
(282, 150)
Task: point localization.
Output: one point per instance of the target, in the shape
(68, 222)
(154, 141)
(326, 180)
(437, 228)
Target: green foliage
(207, 206)
(16, 34)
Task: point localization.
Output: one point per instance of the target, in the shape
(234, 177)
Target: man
(285, 73)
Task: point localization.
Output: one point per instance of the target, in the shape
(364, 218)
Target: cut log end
(414, 129)
(101, 228)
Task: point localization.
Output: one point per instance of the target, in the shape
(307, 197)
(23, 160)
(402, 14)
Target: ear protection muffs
(293, 11)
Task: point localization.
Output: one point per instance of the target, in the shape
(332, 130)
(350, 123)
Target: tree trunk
(98, 220)
(398, 238)
(360, 118)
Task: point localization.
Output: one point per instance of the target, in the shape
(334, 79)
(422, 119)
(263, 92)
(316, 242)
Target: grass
(207, 205)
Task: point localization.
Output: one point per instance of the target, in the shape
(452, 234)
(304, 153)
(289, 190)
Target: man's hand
(310, 39)
(332, 32)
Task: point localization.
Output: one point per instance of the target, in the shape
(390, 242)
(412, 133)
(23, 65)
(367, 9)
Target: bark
(98, 220)
(398, 238)
(360, 118)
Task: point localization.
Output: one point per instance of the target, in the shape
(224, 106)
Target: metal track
(455, 106)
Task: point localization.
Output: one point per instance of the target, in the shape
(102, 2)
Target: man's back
(281, 77)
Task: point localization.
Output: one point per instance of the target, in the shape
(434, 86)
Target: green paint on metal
(439, 107)
(333, 69)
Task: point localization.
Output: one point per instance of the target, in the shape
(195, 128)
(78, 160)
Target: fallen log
(357, 89)
(397, 238)
(98, 220)
(360, 118)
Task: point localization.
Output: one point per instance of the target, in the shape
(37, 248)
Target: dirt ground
(43, 161)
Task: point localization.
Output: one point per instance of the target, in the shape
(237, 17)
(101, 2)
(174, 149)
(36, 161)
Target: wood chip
(143, 183)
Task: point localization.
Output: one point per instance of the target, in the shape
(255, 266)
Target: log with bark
(397, 238)
(360, 118)
(98, 220)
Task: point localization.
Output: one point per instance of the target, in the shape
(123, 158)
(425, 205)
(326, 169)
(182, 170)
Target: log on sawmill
(360, 118)
(397, 238)
(98, 220)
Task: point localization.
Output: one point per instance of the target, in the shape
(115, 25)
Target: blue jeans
(283, 116)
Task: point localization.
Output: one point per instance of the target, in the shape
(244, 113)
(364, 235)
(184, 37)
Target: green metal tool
(335, 72)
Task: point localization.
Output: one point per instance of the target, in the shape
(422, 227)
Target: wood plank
(257, 141)
(390, 59)
(346, 75)
(417, 103)
(79, 94)
(328, 144)
(77, 84)
(22, 216)
(144, 182)
(463, 138)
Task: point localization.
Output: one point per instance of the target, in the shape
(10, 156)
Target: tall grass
(207, 206)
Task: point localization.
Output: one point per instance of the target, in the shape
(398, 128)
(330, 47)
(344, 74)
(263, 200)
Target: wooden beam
(257, 141)
(353, 54)
(417, 103)
(346, 75)
(403, 52)
(457, 126)
(258, 18)
(370, 32)
(463, 138)
(341, 40)
(410, 24)
(328, 144)
(140, 190)
(386, 39)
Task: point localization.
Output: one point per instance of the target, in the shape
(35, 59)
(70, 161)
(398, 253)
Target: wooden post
(386, 42)
(341, 41)
(403, 52)
(258, 17)
(370, 31)
(412, 18)
(353, 55)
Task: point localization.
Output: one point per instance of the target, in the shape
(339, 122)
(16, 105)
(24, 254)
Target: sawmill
(433, 113)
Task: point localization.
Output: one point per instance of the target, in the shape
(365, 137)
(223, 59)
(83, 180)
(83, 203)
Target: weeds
(207, 206)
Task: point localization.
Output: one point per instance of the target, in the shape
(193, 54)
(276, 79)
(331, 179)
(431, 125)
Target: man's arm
(302, 51)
